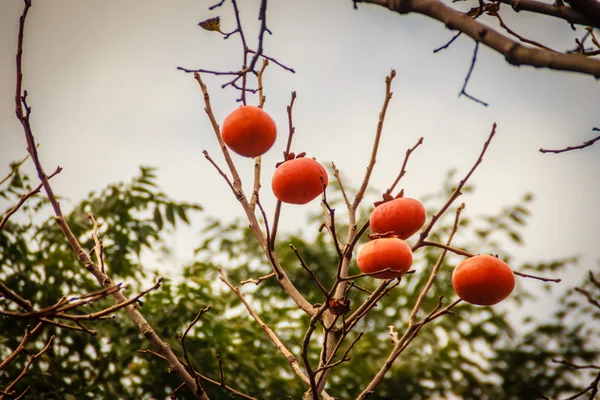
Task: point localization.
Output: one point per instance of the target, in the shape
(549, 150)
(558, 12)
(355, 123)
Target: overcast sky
(107, 97)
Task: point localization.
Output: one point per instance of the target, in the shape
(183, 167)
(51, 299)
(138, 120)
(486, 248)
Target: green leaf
(170, 211)
(158, 220)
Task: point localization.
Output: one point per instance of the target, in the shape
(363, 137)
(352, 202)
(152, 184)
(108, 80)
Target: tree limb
(513, 52)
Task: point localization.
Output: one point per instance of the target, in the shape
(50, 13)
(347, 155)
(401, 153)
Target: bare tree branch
(463, 91)
(457, 192)
(576, 366)
(582, 146)
(592, 388)
(292, 360)
(589, 8)
(202, 377)
(567, 13)
(539, 278)
(513, 52)
(14, 169)
(34, 357)
(403, 168)
(185, 351)
(101, 277)
(24, 198)
(21, 347)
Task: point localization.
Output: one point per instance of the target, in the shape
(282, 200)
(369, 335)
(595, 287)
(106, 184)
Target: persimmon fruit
(483, 280)
(249, 131)
(402, 216)
(385, 253)
(299, 181)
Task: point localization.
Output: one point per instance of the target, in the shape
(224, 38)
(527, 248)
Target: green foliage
(474, 354)
(37, 262)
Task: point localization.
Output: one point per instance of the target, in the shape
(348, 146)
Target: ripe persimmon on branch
(402, 249)
(336, 303)
(295, 182)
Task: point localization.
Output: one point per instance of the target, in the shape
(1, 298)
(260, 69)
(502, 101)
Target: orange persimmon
(402, 216)
(385, 253)
(483, 280)
(299, 181)
(249, 131)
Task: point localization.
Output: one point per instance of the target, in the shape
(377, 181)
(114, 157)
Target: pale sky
(107, 97)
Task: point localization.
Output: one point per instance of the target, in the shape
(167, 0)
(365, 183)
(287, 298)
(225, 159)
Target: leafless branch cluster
(52, 315)
(539, 56)
(250, 57)
(577, 12)
(333, 315)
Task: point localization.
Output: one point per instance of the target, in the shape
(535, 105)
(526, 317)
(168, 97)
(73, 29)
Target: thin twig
(21, 347)
(336, 174)
(310, 271)
(313, 378)
(461, 252)
(203, 377)
(220, 171)
(344, 358)
(14, 169)
(258, 280)
(14, 297)
(383, 271)
(64, 304)
(457, 192)
(286, 153)
(330, 223)
(258, 160)
(540, 393)
(524, 275)
(185, 351)
(173, 394)
(24, 198)
(444, 47)
(592, 388)
(267, 58)
(388, 96)
(589, 297)
(569, 148)
(463, 91)
(34, 357)
(515, 34)
(404, 163)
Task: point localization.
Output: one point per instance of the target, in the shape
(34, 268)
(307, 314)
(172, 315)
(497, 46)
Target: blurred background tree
(477, 353)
